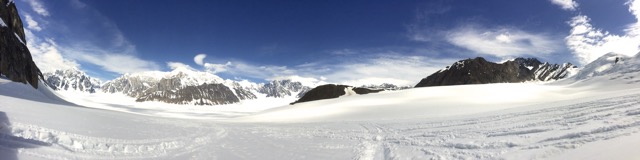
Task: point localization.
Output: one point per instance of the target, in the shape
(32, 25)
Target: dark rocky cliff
(15, 59)
(481, 71)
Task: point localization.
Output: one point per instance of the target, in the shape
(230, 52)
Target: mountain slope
(185, 85)
(610, 64)
(71, 79)
(481, 71)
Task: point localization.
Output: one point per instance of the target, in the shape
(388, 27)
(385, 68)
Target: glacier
(581, 117)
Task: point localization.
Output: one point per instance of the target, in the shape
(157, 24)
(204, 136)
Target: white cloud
(46, 54)
(32, 24)
(103, 45)
(239, 68)
(383, 68)
(113, 62)
(176, 65)
(216, 68)
(38, 7)
(570, 5)
(395, 69)
(199, 59)
(502, 41)
(588, 42)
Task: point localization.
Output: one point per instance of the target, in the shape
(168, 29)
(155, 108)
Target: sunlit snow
(595, 116)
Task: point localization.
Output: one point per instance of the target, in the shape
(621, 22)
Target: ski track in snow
(541, 132)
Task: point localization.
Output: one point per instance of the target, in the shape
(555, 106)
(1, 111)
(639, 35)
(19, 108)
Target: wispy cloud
(112, 62)
(46, 54)
(38, 7)
(570, 5)
(105, 46)
(381, 68)
(588, 42)
(386, 68)
(176, 65)
(503, 41)
(32, 24)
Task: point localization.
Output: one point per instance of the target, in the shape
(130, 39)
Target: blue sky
(352, 42)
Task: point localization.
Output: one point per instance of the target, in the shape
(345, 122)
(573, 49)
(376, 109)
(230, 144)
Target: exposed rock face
(281, 88)
(71, 79)
(205, 94)
(332, 91)
(187, 86)
(480, 71)
(15, 59)
(243, 93)
(131, 85)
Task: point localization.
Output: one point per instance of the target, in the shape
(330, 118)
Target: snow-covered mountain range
(481, 71)
(187, 86)
(71, 80)
(557, 120)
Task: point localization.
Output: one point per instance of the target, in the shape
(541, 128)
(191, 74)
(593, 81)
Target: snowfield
(595, 116)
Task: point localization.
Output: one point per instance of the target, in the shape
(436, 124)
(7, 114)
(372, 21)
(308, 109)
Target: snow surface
(2, 24)
(592, 118)
(20, 39)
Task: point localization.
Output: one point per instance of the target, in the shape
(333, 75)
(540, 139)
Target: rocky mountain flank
(481, 71)
(15, 59)
(333, 91)
(71, 79)
(186, 86)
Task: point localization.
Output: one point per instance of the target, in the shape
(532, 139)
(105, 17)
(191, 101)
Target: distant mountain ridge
(71, 80)
(481, 71)
(187, 86)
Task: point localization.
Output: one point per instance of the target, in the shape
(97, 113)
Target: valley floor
(590, 123)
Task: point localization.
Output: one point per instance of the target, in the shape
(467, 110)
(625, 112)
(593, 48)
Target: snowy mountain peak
(608, 64)
(185, 85)
(71, 80)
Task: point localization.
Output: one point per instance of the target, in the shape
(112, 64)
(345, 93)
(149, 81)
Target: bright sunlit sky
(337, 41)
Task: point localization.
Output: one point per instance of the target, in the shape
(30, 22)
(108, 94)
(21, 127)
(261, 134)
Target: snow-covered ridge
(71, 80)
(173, 85)
(608, 64)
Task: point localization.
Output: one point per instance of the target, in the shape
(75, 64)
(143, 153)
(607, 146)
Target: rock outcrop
(332, 91)
(481, 71)
(15, 59)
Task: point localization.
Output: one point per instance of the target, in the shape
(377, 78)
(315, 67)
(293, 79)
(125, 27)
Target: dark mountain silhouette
(481, 71)
(15, 59)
